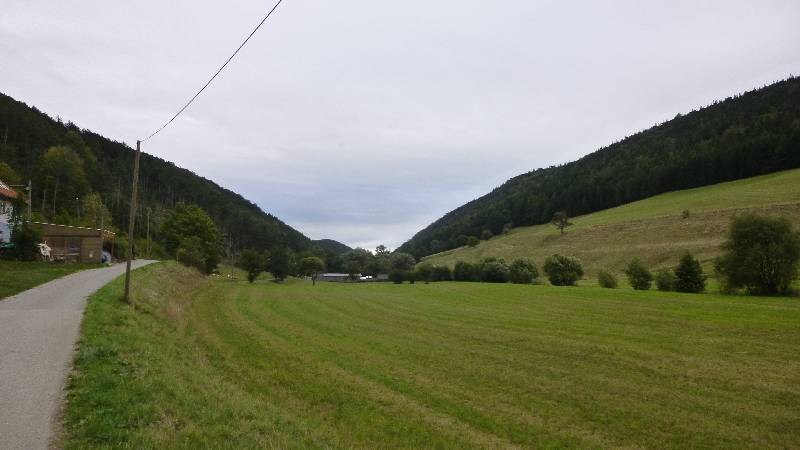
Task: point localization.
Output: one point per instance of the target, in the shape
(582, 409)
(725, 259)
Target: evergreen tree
(638, 276)
(689, 275)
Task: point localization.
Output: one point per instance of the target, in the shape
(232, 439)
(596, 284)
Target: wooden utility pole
(131, 220)
(148, 233)
(30, 199)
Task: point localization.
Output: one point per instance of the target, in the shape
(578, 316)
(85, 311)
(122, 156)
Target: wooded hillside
(750, 134)
(67, 163)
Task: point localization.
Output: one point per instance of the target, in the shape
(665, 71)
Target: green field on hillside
(198, 363)
(652, 229)
(16, 276)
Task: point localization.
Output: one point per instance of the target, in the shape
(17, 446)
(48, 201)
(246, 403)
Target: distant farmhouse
(342, 277)
(7, 197)
(335, 277)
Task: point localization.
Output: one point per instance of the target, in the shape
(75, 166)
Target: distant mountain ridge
(331, 246)
(26, 133)
(754, 133)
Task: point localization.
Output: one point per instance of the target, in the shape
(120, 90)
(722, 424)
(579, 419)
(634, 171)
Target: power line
(215, 74)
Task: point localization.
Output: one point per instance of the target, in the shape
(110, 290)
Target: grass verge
(16, 276)
(198, 363)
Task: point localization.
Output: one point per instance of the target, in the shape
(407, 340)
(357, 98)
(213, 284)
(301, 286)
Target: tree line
(751, 134)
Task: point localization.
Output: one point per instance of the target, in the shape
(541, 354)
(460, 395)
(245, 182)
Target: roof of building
(105, 232)
(6, 191)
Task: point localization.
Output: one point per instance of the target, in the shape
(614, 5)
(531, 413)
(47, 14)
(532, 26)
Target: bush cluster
(424, 272)
(496, 270)
(638, 276)
(686, 277)
(606, 280)
(563, 270)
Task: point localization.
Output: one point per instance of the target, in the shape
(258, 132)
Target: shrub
(689, 275)
(465, 271)
(523, 271)
(607, 279)
(562, 270)
(665, 280)
(190, 253)
(486, 234)
(494, 271)
(25, 239)
(441, 273)
(638, 276)
(397, 276)
(424, 272)
(761, 255)
(472, 241)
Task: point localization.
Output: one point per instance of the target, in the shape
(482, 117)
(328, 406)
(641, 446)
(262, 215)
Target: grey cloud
(363, 121)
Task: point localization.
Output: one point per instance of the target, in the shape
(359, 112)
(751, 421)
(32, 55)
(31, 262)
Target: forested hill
(62, 181)
(331, 246)
(750, 134)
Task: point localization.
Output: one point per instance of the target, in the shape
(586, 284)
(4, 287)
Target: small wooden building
(74, 244)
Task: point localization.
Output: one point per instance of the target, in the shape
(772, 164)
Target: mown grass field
(652, 229)
(16, 276)
(198, 363)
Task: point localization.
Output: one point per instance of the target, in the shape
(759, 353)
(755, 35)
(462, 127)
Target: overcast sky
(365, 120)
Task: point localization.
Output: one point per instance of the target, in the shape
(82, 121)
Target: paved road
(38, 330)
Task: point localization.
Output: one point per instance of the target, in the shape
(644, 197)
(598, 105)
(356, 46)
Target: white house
(7, 196)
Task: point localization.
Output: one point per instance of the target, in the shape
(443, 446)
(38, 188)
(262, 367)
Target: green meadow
(652, 229)
(213, 363)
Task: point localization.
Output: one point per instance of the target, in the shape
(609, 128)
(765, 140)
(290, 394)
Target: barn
(74, 244)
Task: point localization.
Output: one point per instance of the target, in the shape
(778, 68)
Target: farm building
(342, 277)
(336, 277)
(7, 196)
(74, 244)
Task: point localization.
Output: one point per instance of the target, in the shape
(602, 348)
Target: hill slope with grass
(654, 230)
(751, 134)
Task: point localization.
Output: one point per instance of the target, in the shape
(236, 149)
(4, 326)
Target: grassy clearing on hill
(223, 364)
(651, 229)
(16, 276)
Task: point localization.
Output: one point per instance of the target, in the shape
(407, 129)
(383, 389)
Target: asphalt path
(38, 331)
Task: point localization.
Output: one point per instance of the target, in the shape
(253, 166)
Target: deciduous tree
(561, 220)
(761, 255)
(312, 266)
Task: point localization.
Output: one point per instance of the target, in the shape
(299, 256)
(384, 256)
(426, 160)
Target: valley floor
(199, 363)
